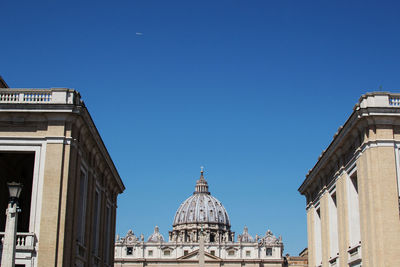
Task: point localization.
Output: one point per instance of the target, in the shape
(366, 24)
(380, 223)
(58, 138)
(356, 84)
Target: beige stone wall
(69, 140)
(324, 228)
(310, 235)
(369, 139)
(343, 231)
(379, 211)
(49, 222)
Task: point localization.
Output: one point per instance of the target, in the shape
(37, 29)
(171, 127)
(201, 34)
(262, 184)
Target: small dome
(156, 236)
(246, 237)
(201, 207)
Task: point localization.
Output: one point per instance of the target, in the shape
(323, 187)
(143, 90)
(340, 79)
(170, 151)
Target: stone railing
(39, 96)
(379, 99)
(25, 241)
(394, 100)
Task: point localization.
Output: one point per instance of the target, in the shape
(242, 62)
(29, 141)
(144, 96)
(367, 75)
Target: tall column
(201, 250)
(343, 218)
(8, 256)
(325, 238)
(311, 235)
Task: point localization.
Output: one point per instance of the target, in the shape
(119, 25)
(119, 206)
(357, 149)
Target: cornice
(379, 108)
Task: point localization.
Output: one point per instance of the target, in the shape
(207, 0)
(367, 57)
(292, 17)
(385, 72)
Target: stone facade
(353, 190)
(199, 216)
(48, 141)
(298, 261)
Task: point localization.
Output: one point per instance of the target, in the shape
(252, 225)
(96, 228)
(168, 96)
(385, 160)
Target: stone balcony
(378, 99)
(25, 245)
(39, 96)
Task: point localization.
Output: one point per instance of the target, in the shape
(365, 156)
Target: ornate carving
(245, 237)
(130, 238)
(269, 239)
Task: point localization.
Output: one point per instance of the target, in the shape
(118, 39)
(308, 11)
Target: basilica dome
(202, 208)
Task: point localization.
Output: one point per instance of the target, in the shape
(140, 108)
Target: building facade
(298, 261)
(49, 143)
(200, 218)
(352, 192)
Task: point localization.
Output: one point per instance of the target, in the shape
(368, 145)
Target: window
(82, 207)
(107, 243)
(317, 236)
(212, 237)
(129, 250)
(96, 222)
(212, 252)
(268, 251)
(231, 253)
(354, 212)
(248, 253)
(185, 252)
(333, 227)
(150, 253)
(167, 252)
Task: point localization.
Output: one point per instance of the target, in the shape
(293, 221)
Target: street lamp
(8, 256)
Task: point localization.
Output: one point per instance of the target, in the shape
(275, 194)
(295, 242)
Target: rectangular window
(231, 253)
(268, 251)
(167, 252)
(107, 238)
(82, 207)
(96, 222)
(150, 253)
(333, 225)
(185, 252)
(129, 250)
(317, 237)
(212, 252)
(248, 253)
(354, 211)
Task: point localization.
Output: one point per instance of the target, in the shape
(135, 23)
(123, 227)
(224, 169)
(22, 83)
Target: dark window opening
(354, 181)
(17, 167)
(334, 199)
(212, 237)
(129, 251)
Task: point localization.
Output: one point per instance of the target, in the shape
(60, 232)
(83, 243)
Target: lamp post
(8, 256)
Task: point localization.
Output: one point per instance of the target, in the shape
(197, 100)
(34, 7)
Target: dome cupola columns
(201, 184)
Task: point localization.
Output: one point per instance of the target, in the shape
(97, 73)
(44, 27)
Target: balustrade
(39, 96)
(394, 101)
(25, 241)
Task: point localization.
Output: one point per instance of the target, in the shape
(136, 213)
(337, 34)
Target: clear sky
(252, 90)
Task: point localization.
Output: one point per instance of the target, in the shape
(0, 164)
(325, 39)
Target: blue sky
(252, 90)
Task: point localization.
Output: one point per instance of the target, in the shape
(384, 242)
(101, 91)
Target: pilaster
(325, 228)
(342, 214)
(310, 235)
(49, 238)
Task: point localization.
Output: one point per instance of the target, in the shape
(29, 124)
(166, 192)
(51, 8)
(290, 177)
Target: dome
(156, 236)
(201, 208)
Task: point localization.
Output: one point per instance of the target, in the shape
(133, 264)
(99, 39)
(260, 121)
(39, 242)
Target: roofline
(103, 147)
(363, 103)
(3, 83)
(62, 97)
